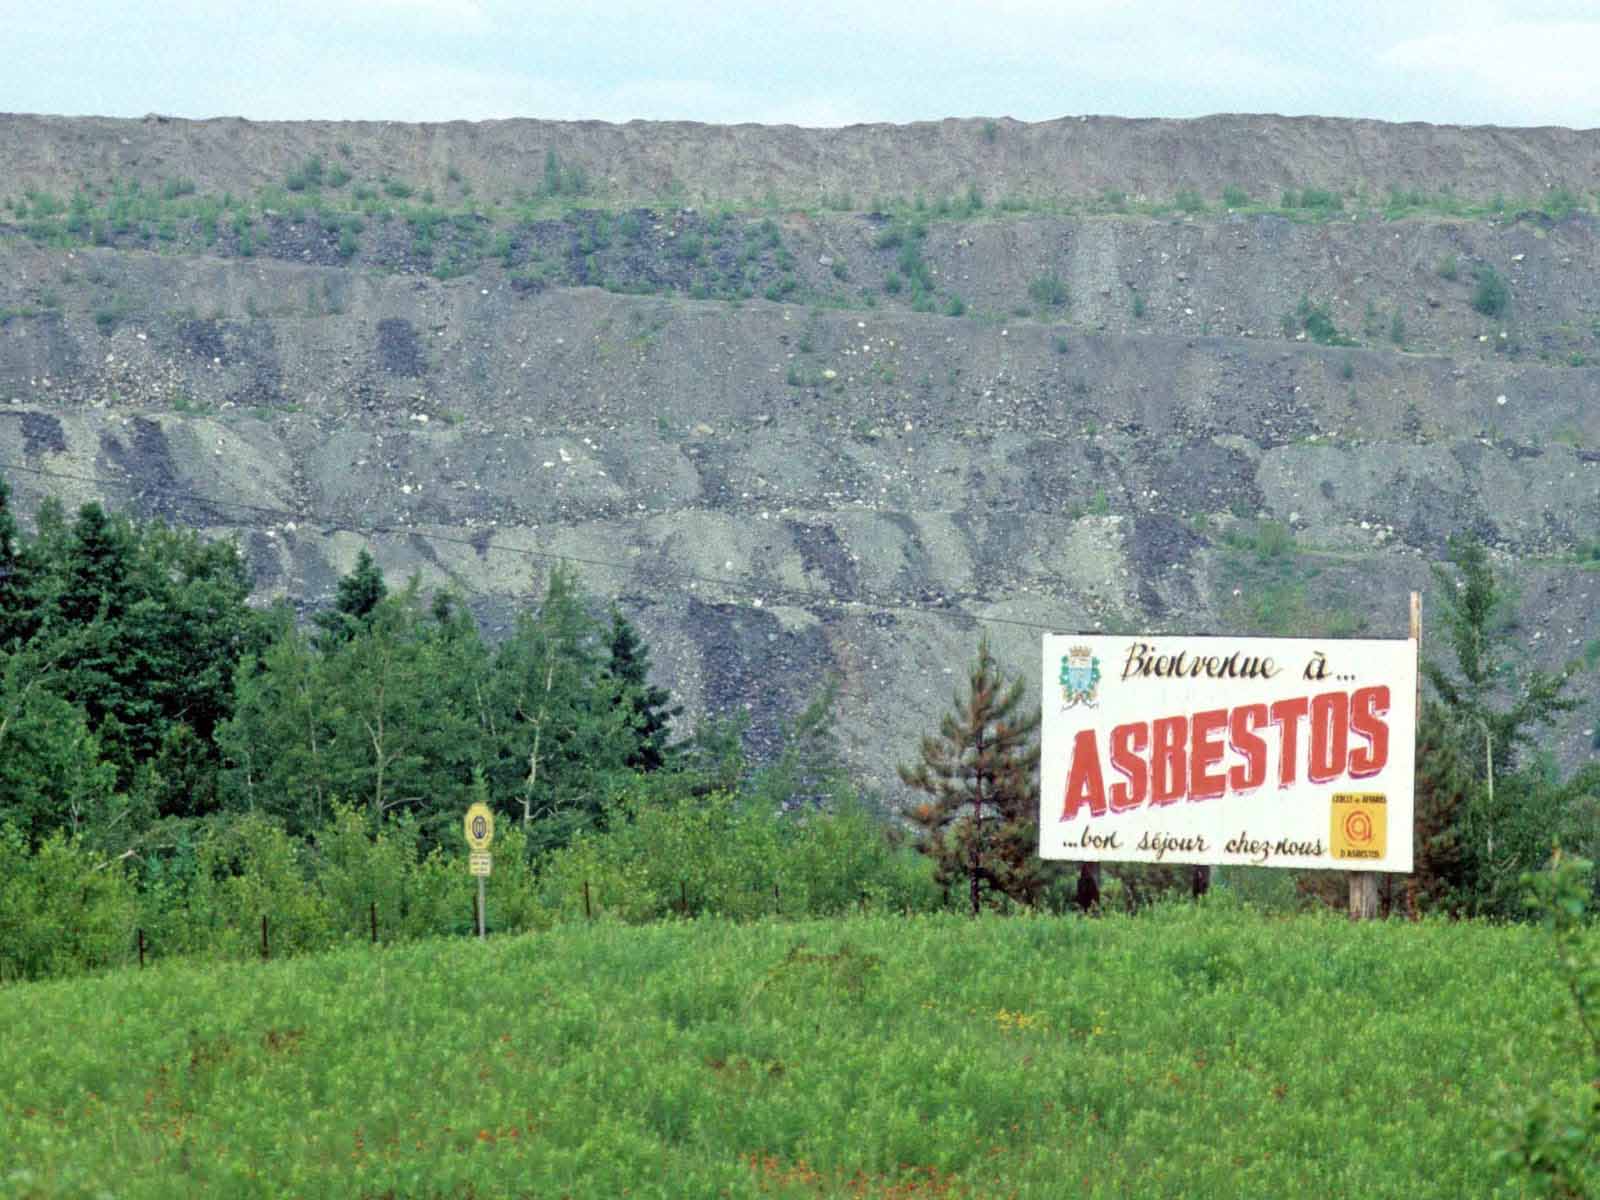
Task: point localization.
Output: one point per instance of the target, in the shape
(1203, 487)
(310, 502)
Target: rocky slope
(799, 420)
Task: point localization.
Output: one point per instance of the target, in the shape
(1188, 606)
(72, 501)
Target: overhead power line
(480, 545)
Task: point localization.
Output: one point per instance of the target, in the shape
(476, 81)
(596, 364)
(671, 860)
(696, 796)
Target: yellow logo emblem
(1359, 825)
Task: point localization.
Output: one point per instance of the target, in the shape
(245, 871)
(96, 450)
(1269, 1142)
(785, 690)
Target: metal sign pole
(480, 907)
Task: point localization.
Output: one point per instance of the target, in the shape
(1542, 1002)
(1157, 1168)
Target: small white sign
(480, 862)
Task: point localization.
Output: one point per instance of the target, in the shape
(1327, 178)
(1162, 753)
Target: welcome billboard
(1268, 752)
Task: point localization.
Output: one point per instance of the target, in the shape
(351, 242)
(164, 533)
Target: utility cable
(484, 545)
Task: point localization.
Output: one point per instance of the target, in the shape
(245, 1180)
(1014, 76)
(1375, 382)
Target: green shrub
(1551, 1142)
(64, 908)
(1234, 196)
(1316, 199)
(251, 869)
(1491, 297)
(1317, 322)
(1189, 201)
(1449, 267)
(307, 175)
(1048, 290)
(733, 856)
(1267, 541)
(1561, 202)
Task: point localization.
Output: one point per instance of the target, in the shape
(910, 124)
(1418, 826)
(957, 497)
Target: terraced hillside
(812, 401)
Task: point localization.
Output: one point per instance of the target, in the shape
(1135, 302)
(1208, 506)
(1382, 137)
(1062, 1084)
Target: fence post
(683, 897)
(141, 949)
(1088, 886)
(266, 952)
(777, 901)
(587, 910)
(374, 922)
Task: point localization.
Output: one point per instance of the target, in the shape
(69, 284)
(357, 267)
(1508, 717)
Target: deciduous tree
(1485, 821)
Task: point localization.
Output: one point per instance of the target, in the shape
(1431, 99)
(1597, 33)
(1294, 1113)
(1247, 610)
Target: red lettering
(1205, 753)
(1168, 761)
(1242, 724)
(1128, 743)
(1286, 714)
(1365, 708)
(1330, 736)
(1162, 761)
(1084, 785)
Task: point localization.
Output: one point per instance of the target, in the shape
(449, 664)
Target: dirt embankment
(647, 161)
(827, 439)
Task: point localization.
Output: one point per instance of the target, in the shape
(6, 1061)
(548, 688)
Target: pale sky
(813, 62)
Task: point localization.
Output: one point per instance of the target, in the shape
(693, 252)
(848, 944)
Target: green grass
(1192, 1052)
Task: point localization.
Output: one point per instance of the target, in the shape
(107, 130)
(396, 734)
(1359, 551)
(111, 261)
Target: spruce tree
(981, 774)
(648, 705)
(97, 569)
(358, 596)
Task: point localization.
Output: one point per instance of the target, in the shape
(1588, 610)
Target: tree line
(140, 690)
(154, 726)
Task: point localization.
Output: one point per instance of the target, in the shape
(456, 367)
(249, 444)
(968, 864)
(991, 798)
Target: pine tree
(359, 595)
(647, 704)
(97, 569)
(981, 773)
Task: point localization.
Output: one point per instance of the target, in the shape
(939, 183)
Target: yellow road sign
(1359, 825)
(480, 862)
(479, 827)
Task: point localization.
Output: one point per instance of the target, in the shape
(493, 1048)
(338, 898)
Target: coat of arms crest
(1080, 678)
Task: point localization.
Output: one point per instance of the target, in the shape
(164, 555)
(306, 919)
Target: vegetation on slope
(1200, 1052)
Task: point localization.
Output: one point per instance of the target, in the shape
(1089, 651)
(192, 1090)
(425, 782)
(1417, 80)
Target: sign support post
(1364, 884)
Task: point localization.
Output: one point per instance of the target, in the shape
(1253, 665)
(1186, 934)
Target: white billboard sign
(1267, 752)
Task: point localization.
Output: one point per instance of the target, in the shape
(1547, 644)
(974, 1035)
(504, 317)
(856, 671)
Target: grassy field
(1192, 1052)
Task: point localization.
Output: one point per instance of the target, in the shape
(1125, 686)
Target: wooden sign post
(1364, 884)
(478, 825)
